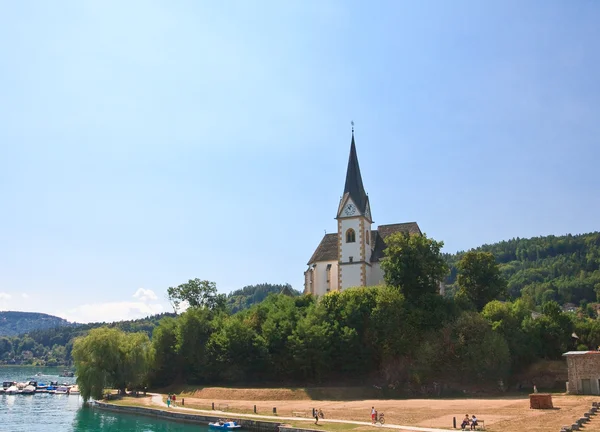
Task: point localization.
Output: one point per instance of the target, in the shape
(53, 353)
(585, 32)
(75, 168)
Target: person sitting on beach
(473, 422)
(466, 421)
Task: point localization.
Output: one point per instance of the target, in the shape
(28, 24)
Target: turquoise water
(63, 413)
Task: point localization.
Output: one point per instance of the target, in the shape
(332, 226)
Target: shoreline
(196, 418)
(255, 422)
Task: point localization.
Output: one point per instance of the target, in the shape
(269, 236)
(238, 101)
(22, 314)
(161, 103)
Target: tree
(196, 293)
(111, 358)
(478, 353)
(414, 264)
(166, 363)
(479, 278)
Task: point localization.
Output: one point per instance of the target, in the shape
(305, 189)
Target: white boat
(74, 390)
(28, 390)
(12, 390)
(62, 390)
(224, 425)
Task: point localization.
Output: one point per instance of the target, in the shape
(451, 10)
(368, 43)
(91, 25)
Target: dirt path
(499, 414)
(157, 399)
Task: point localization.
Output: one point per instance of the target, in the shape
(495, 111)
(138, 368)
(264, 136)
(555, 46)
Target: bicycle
(380, 419)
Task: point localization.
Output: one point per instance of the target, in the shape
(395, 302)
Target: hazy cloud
(145, 295)
(25, 295)
(116, 311)
(4, 298)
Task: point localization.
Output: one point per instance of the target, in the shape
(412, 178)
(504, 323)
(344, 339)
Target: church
(351, 257)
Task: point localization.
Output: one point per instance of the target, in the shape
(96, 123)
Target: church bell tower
(354, 228)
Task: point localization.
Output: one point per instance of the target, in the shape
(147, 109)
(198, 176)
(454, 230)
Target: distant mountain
(561, 268)
(16, 323)
(249, 295)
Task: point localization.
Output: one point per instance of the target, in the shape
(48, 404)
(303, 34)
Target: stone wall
(261, 426)
(584, 367)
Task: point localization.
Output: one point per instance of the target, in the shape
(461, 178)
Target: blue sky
(145, 143)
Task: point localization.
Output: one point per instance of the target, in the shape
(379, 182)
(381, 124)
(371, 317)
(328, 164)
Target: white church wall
(320, 282)
(367, 274)
(376, 275)
(350, 249)
(334, 276)
(368, 246)
(351, 275)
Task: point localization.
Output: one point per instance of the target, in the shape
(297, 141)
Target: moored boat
(74, 390)
(62, 390)
(29, 389)
(12, 390)
(225, 425)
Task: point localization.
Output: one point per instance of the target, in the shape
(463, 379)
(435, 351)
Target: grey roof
(384, 231)
(409, 227)
(354, 185)
(328, 248)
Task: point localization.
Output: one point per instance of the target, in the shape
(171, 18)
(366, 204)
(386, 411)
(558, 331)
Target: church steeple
(354, 185)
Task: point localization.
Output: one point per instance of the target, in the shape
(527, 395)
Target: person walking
(373, 415)
(169, 401)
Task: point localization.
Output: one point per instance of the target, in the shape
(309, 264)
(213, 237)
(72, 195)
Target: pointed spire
(354, 185)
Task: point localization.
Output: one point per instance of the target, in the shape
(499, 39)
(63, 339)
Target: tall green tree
(167, 359)
(196, 293)
(479, 278)
(111, 358)
(414, 264)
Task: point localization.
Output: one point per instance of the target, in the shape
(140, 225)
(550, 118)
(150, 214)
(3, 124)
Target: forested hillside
(15, 323)
(561, 268)
(52, 346)
(252, 294)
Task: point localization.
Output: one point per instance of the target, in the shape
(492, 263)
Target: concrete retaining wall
(286, 428)
(261, 426)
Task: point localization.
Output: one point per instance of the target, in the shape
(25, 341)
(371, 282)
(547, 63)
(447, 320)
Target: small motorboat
(225, 425)
(62, 390)
(12, 390)
(74, 390)
(7, 384)
(29, 389)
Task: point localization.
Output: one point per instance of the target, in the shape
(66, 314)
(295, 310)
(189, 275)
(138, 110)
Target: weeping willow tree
(111, 358)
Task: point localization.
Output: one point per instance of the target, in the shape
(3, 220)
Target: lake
(64, 413)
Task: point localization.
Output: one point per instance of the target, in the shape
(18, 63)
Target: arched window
(350, 236)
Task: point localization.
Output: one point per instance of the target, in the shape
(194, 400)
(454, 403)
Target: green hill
(52, 346)
(562, 268)
(15, 323)
(249, 295)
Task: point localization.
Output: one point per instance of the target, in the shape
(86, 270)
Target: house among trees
(584, 372)
(351, 257)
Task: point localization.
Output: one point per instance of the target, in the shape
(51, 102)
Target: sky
(145, 143)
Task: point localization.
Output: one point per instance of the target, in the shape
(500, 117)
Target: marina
(45, 411)
(32, 387)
